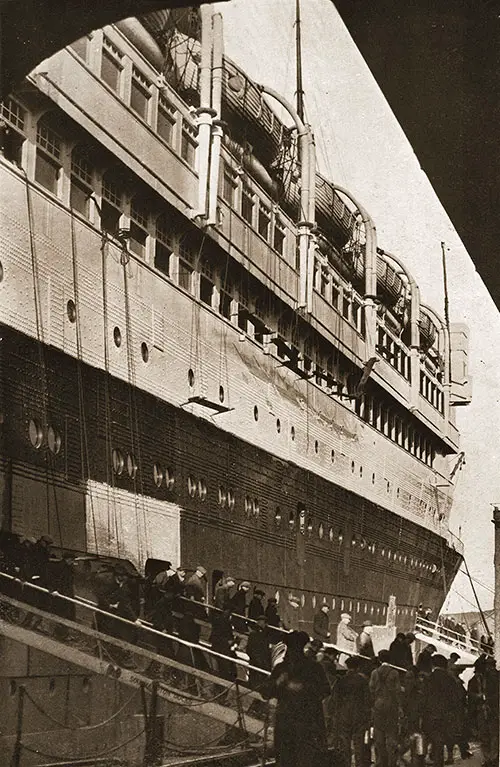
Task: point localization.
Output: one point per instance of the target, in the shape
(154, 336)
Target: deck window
(264, 221)
(279, 237)
(140, 94)
(229, 186)
(206, 290)
(11, 136)
(165, 121)
(81, 181)
(247, 203)
(48, 162)
(188, 144)
(185, 277)
(111, 205)
(111, 65)
(138, 229)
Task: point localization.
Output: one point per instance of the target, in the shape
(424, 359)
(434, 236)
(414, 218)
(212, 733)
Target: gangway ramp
(199, 690)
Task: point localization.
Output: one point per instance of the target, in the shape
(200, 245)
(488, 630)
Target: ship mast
(298, 61)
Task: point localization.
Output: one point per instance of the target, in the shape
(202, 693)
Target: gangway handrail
(449, 636)
(92, 606)
(87, 630)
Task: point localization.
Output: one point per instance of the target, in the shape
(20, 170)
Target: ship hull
(220, 502)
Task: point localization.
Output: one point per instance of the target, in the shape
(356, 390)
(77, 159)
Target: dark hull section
(342, 547)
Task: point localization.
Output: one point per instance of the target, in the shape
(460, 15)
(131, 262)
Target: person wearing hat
(196, 585)
(171, 590)
(256, 606)
(346, 638)
(290, 614)
(300, 685)
(440, 708)
(223, 591)
(385, 687)
(258, 651)
(353, 705)
(365, 642)
(321, 624)
(238, 606)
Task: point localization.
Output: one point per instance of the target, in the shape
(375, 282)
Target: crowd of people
(422, 712)
(333, 690)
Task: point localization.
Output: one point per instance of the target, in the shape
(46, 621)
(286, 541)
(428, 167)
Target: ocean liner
(206, 354)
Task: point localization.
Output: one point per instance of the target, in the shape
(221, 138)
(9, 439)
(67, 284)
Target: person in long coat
(258, 651)
(256, 606)
(321, 624)
(352, 697)
(385, 688)
(346, 638)
(300, 685)
(440, 707)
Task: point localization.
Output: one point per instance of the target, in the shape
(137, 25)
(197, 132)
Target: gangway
(193, 683)
(447, 641)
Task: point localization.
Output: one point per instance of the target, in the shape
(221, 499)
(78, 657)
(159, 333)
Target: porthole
(222, 496)
(230, 500)
(366, 608)
(35, 433)
(388, 486)
(341, 604)
(221, 394)
(71, 310)
(190, 377)
(361, 472)
(202, 490)
(248, 505)
(169, 479)
(357, 607)
(333, 603)
(256, 413)
(362, 544)
(353, 541)
(331, 534)
(340, 537)
(352, 467)
(373, 479)
(53, 440)
(131, 465)
(278, 425)
(256, 507)
(371, 610)
(118, 461)
(383, 552)
(292, 433)
(117, 336)
(291, 521)
(314, 601)
(157, 474)
(316, 447)
(302, 600)
(350, 606)
(321, 531)
(191, 485)
(277, 516)
(333, 456)
(1, 272)
(310, 525)
(397, 493)
(144, 351)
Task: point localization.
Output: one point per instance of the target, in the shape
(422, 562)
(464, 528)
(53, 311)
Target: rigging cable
(49, 466)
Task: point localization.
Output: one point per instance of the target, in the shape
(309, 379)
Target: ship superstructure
(206, 356)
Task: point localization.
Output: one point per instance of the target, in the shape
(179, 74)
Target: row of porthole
(342, 604)
(37, 436)
(86, 686)
(356, 540)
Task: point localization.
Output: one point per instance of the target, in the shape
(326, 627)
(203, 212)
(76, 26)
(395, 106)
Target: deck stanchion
(16, 754)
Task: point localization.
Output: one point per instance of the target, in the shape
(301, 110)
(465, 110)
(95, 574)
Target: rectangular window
(229, 186)
(335, 294)
(137, 240)
(47, 172)
(323, 285)
(162, 257)
(247, 203)
(110, 217)
(345, 307)
(206, 290)
(111, 65)
(140, 94)
(188, 144)
(165, 121)
(13, 113)
(279, 237)
(225, 304)
(79, 198)
(185, 276)
(264, 221)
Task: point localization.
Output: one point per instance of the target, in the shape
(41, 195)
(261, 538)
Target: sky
(361, 146)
